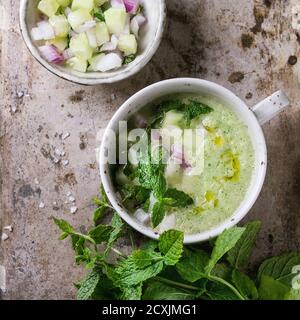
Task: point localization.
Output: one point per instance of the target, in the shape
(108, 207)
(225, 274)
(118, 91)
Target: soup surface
(203, 164)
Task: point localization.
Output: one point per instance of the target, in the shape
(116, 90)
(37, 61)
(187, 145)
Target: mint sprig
(167, 270)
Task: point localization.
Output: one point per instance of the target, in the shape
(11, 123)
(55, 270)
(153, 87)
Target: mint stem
(178, 284)
(118, 252)
(227, 284)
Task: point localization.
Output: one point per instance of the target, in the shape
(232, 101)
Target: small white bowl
(254, 118)
(150, 38)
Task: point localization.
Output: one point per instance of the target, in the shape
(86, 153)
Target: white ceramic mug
(253, 118)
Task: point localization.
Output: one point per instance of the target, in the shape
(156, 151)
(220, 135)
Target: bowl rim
(240, 212)
(124, 73)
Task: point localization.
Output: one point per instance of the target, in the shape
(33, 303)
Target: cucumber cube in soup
(115, 19)
(173, 174)
(172, 118)
(83, 4)
(64, 3)
(78, 17)
(77, 64)
(60, 25)
(102, 34)
(80, 47)
(127, 43)
(60, 43)
(94, 62)
(48, 7)
(99, 3)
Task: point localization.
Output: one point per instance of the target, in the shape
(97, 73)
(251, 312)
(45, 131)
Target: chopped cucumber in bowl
(89, 35)
(128, 32)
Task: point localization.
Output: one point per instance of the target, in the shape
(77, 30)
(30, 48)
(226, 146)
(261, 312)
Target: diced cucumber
(78, 17)
(60, 25)
(48, 7)
(80, 47)
(94, 62)
(115, 19)
(91, 35)
(83, 4)
(172, 118)
(60, 43)
(99, 2)
(102, 34)
(173, 174)
(77, 64)
(127, 43)
(64, 3)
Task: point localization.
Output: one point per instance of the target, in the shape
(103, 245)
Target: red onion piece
(179, 157)
(131, 5)
(109, 62)
(86, 26)
(118, 4)
(112, 45)
(51, 54)
(44, 31)
(36, 34)
(136, 23)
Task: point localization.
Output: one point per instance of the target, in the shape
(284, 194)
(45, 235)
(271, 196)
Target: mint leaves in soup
(195, 169)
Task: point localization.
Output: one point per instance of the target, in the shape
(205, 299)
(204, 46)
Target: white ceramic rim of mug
(123, 74)
(244, 208)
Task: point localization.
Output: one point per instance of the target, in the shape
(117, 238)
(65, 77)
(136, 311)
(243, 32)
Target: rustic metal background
(247, 46)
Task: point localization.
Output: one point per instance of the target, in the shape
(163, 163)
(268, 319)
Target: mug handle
(270, 107)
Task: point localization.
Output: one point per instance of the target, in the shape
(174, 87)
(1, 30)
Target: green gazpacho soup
(196, 169)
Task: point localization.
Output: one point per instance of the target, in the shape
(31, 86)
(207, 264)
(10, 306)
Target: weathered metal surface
(247, 46)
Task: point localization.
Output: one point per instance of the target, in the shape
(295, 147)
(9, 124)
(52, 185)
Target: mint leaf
(219, 291)
(271, 289)
(100, 233)
(280, 268)
(102, 205)
(191, 266)
(132, 293)
(171, 245)
(106, 290)
(194, 109)
(226, 241)
(244, 284)
(128, 274)
(239, 255)
(160, 186)
(156, 290)
(292, 295)
(118, 226)
(151, 177)
(64, 226)
(68, 230)
(129, 59)
(99, 15)
(99, 213)
(223, 271)
(136, 193)
(179, 198)
(143, 258)
(88, 286)
(158, 213)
